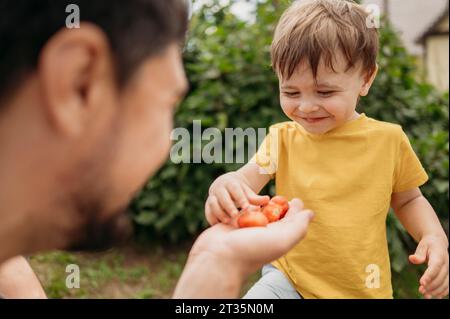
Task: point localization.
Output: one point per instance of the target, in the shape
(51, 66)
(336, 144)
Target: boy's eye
(290, 94)
(325, 93)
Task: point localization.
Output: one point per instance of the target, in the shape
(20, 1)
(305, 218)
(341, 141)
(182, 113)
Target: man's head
(324, 53)
(85, 114)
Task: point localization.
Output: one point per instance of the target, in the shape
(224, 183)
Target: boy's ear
(368, 81)
(75, 69)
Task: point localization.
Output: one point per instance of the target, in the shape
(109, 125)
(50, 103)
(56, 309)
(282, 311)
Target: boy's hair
(315, 30)
(136, 30)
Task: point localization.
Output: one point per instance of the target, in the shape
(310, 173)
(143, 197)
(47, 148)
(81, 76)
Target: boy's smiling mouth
(314, 119)
(311, 119)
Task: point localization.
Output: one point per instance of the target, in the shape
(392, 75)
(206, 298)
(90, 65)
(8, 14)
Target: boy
(346, 167)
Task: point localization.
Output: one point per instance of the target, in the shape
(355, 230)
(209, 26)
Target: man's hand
(223, 256)
(434, 282)
(252, 247)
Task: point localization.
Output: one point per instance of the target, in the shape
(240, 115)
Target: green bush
(232, 85)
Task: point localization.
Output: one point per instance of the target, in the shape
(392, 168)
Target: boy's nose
(307, 107)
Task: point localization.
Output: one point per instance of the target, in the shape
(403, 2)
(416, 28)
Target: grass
(140, 271)
(131, 272)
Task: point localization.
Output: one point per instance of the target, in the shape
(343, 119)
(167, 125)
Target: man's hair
(136, 30)
(317, 30)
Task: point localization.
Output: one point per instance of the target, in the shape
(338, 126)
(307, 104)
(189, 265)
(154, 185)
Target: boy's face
(322, 105)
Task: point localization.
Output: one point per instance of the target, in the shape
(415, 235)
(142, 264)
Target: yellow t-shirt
(346, 176)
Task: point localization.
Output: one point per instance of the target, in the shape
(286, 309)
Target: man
(85, 119)
(17, 280)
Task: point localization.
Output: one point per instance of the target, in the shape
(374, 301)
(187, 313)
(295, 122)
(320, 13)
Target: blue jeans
(272, 285)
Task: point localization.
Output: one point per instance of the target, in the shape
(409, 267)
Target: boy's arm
(417, 216)
(251, 175)
(18, 281)
(420, 220)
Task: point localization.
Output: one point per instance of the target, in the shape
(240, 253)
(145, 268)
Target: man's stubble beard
(89, 200)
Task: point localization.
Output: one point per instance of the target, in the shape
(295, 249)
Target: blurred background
(232, 85)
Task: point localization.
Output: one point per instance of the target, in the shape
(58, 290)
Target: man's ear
(74, 70)
(368, 81)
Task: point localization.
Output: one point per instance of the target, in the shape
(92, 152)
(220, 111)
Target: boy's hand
(227, 194)
(434, 282)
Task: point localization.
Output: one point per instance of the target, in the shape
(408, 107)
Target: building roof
(435, 27)
(412, 18)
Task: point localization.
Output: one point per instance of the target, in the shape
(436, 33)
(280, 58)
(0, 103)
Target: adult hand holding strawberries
(230, 254)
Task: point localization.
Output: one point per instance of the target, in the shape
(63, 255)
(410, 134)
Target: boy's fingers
(417, 260)
(434, 265)
(422, 290)
(218, 211)
(420, 256)
(226, 202)
(444, 292)
(212, 220)
(436, 282)
(441, 289)
(234, 222)
(254, 198)
(238, 195)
